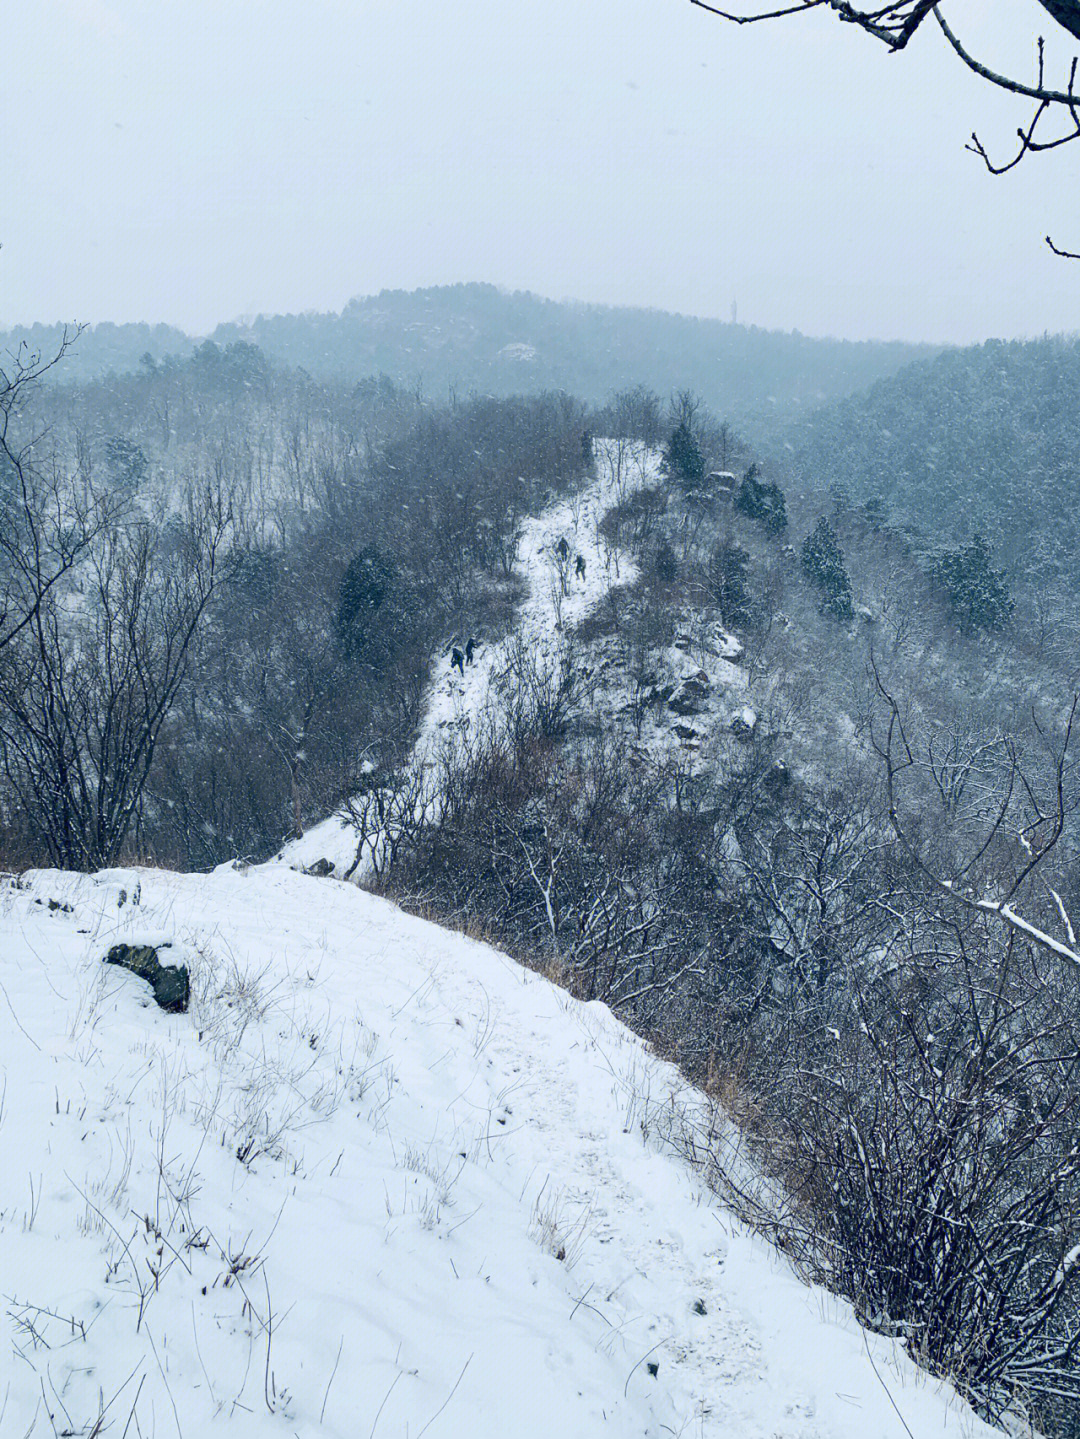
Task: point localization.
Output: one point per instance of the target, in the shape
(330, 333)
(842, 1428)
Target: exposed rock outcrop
(692, 695)
(170, 982)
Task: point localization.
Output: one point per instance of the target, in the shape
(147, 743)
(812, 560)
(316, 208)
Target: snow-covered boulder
(170, 983)
(691, 696)
(518, 354)
(743, 724)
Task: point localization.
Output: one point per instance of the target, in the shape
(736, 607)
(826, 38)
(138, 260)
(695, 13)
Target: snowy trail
(457, 701)
(442, 1176)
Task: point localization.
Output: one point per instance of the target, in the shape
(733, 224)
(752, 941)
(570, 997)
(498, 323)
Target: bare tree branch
(895, 25)
(48, 520)
(897, 755)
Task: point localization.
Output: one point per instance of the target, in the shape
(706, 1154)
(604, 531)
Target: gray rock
(170, 982)
(320, 869)
(692, 696)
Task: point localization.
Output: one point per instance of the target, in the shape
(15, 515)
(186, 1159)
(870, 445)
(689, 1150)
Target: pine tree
(588, 457)
(374, 606)
(977, 593)
(683, 460)
(125, 462)
(823, 561)
(665, 563)
(762, 502)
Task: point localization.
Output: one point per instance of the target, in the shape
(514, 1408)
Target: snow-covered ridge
(567, 567)
(379, 1181)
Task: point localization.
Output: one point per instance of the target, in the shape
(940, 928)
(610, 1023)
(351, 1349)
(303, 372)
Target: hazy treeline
(465, 338)
(105, 347)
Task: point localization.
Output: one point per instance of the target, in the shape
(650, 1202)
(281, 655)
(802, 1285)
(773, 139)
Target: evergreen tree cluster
(977, 593)
(375, 607)
(823, 561)
(762, 502)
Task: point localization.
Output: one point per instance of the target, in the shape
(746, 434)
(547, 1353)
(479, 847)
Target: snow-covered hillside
(379, 1182)
(567, 567)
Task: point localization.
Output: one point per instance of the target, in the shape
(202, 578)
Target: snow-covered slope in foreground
(379, 1182)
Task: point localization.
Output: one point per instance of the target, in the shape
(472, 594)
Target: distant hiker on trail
(562, 549)
(470, 649)
(457, 661)
(579, 567)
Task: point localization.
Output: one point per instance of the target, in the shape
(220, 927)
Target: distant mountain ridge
(476, 337)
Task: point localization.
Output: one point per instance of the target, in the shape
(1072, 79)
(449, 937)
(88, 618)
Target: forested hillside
(103, 348)
(980, 440)
(465, 338)
(323, 540)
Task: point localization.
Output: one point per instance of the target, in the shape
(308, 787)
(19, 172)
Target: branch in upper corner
(896, 24)
(764, 15)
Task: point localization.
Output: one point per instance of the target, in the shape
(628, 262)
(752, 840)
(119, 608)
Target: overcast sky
(198, 160)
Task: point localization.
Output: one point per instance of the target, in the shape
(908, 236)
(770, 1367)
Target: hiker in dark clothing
(470, 649)
(579, 567)
(457, 661)
(562, 549)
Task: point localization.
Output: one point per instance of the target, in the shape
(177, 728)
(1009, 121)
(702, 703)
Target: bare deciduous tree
(90, 680)
(1009, 809)
(48, 518)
